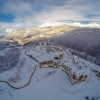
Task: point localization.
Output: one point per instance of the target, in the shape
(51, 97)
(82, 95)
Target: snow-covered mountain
(80, 37)
(51, 79)
(9, 30)
(53, 24)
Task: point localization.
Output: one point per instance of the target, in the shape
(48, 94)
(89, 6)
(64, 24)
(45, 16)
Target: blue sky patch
(6, 18)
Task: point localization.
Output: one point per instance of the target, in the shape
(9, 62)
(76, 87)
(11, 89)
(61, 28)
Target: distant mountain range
(80, 37)
(92, 25)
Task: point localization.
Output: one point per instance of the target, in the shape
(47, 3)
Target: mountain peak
(52, 24)
(75, 24)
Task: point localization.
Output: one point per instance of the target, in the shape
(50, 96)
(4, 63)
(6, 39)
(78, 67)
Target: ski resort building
(98, 74)
(76, 73)
(47, 64)
(59, 57)
(44, 43)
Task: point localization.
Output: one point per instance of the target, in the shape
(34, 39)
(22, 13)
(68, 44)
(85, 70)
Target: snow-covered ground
(48, 83)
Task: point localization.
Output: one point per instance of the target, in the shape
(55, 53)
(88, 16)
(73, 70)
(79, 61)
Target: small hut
(61, 50)
(76, 59)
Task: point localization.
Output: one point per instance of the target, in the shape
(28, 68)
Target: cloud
(17, 8)
(36, 12)
(72, 10)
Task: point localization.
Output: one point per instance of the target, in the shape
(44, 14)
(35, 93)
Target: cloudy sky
(23, 13)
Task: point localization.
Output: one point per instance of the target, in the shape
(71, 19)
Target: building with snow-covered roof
(98, 74)
(47, 64)
(76, 73)
(59, 57)
(76, 59)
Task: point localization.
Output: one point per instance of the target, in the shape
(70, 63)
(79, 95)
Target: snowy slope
(48, 83)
